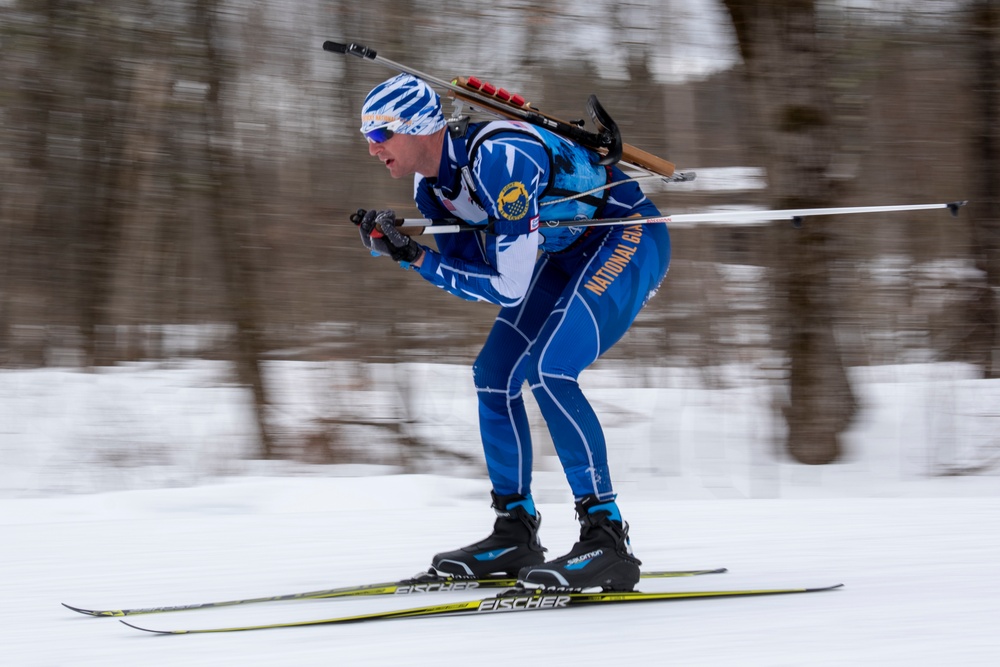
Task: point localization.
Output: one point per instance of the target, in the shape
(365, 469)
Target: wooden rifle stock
(515, 108)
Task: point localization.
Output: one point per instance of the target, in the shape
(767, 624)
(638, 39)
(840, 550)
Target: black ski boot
(602, 558)
(514, 543)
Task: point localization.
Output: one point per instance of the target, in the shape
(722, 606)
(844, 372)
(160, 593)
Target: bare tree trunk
(140, 279)
(102, 191)
(69, 230)
(984, 210)
(784, 63)
(75, 98)
(227, 212)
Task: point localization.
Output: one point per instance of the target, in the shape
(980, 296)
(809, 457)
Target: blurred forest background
(176, 178)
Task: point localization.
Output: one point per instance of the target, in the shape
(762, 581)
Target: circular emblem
(513, 201)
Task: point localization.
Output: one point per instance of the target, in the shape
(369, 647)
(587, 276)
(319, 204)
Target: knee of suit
(534, 372)
(489, 375)
(551, 365)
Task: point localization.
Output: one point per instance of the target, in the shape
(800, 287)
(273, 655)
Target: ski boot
(602, 558)
(512, 545)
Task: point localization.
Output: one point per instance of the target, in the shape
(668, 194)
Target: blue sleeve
(627, 198)
(510, 171)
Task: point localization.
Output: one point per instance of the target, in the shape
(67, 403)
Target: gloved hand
(380, 235)
(371, 237)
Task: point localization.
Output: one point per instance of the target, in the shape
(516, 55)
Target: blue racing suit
(562, 307)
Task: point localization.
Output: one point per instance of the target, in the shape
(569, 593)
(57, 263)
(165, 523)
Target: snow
(130, 487)
(917, 549)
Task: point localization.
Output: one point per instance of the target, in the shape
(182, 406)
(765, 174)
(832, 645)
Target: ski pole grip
(359, 50)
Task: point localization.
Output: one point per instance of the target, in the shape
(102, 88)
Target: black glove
(372, 238)
(401, 247)
(380, 236)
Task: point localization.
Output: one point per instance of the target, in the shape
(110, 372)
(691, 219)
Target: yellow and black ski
(511, 601)
(425, 582)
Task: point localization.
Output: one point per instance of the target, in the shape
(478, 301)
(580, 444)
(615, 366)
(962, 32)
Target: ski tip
(827, 588)
(92, 612)
(155, 632)
(86, 612)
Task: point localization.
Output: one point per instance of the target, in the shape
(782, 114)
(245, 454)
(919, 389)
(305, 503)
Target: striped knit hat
(405, 104)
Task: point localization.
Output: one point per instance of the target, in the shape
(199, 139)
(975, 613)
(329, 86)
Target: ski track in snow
(919, 555)
(922, 579)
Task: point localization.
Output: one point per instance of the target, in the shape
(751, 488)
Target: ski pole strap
(451, 226)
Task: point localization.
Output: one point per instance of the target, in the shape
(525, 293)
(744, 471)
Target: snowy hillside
(125, 488)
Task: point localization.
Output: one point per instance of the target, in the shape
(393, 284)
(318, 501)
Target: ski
(512, 601)
(425, 582)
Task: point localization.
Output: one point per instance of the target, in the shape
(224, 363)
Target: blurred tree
(192, 162)
(103, 184)
(231, 216)
(69, 102)
(784, 62)
(984, 32)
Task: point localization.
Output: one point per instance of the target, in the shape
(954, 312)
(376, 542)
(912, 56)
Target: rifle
(482, 95)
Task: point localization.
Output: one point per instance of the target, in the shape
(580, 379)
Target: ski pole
(471, 95)
(483, 96)
(796, 215)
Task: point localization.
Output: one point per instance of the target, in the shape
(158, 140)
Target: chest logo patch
(512, 203)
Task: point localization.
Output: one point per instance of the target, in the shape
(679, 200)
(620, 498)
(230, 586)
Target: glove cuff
(408, 254)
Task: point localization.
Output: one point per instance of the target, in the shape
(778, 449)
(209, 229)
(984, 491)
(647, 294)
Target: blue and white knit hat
(404, 103)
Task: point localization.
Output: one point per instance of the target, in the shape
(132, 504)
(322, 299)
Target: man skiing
(566, 295)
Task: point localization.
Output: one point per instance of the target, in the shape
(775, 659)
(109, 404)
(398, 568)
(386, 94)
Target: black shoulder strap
(478, 137)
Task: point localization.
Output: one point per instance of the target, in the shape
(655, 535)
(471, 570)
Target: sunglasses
(379, 135)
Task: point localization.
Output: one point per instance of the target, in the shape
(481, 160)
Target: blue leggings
(580, 303)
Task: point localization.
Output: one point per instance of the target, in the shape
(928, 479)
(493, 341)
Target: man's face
(402, 154)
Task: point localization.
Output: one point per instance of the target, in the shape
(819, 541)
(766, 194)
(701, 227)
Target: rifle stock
(508, 108)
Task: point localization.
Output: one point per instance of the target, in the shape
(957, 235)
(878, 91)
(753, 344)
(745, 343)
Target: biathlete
(566, 296)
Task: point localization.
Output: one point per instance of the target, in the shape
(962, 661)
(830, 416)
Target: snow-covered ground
(125, 488)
